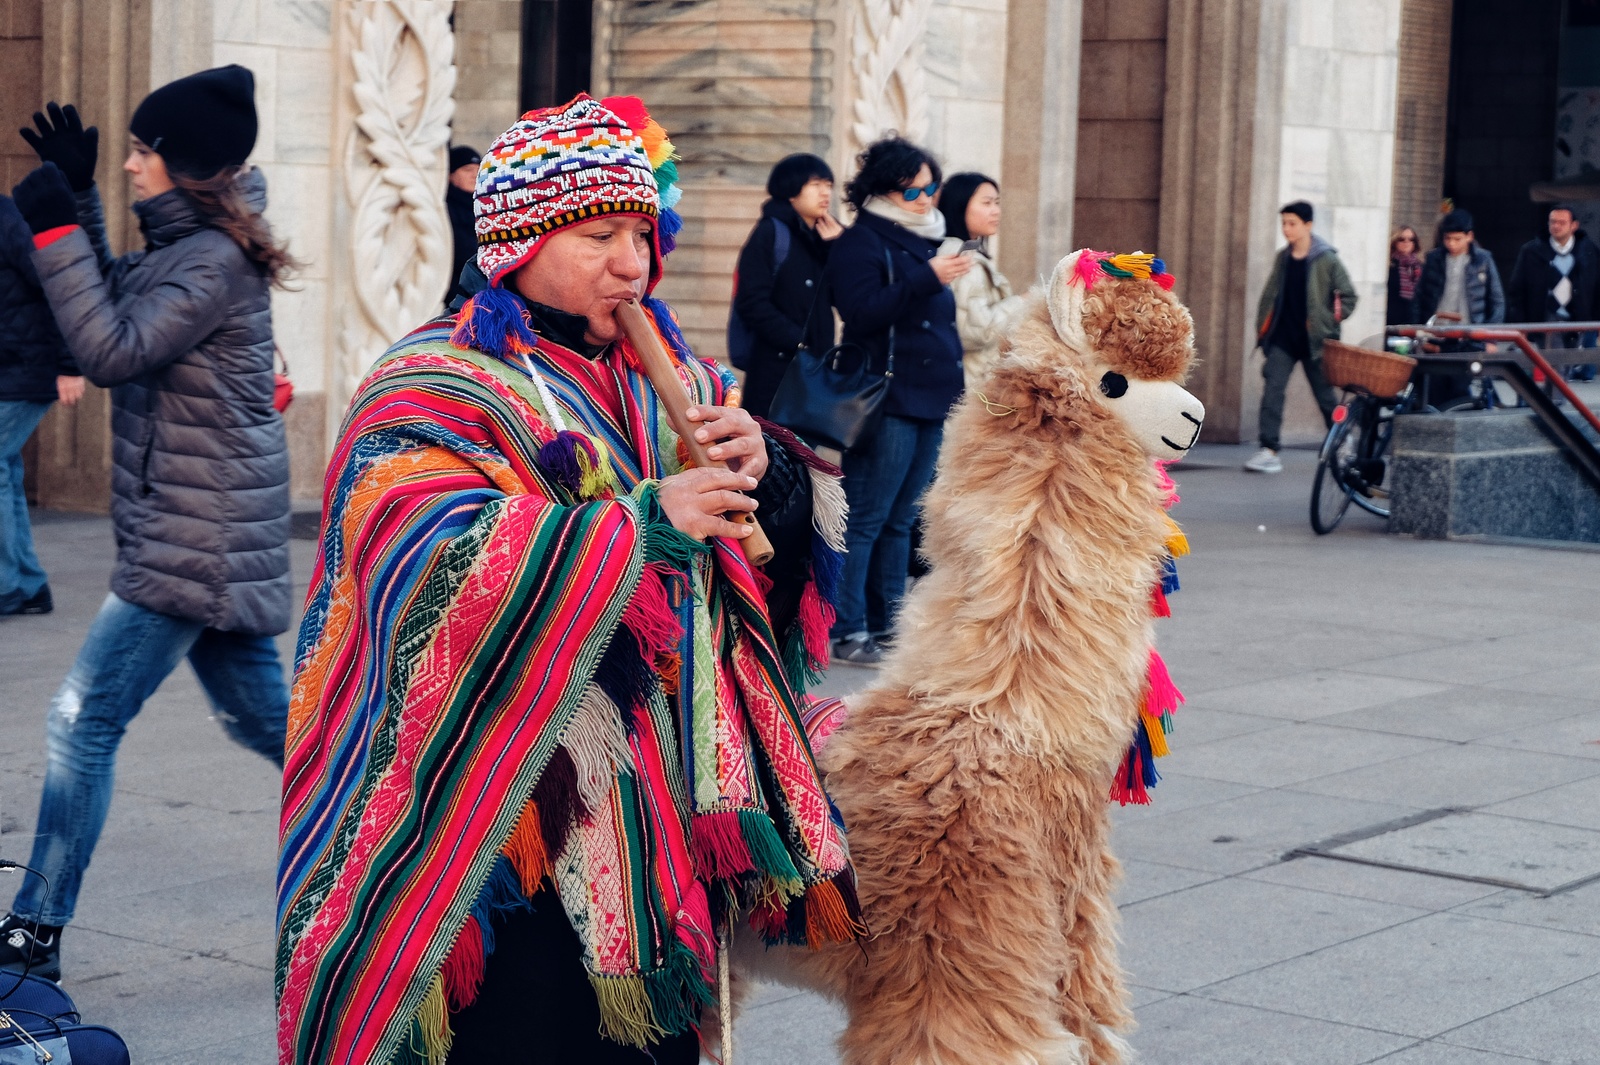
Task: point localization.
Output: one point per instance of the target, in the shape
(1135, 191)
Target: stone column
(1219, 150)
(1422, 107)
(1040, 147)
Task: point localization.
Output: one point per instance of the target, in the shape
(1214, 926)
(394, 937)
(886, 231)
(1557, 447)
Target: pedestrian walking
(458, 204)
(892, 290)
(545, 726)
(1306, 298)
(985, 305)
(182, 334)
(1556, 278)
(1405, 269)
(779, 295)
(35, 370)
(1460, 284)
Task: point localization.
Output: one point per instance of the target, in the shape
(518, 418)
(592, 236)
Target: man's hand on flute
(740, 443)
(696, 501)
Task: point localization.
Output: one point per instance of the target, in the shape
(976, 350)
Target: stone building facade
(1175, 126)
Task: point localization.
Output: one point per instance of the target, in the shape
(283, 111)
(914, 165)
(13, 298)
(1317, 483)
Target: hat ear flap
(1064, 298)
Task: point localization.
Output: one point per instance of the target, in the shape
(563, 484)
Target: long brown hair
(221, 201)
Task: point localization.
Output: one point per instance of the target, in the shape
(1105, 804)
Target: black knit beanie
(202, 123)
(461, 155)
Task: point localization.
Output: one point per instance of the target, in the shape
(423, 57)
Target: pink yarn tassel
(816, 619)
(1088, 267)
(718, 847)
(1164, 696)
(1165, 485)
(462, 972)
(649, 616)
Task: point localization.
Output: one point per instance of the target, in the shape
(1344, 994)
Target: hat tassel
(495, 322)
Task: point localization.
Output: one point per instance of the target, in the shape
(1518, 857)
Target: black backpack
(741, 338)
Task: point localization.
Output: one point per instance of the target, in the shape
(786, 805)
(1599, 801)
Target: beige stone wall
(21, 90)
(1121, 93)
(488, 66)
(738, 84)
(964, 59)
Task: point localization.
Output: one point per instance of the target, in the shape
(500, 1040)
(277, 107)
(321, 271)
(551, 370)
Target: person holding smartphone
(985, 305)
(892, 290)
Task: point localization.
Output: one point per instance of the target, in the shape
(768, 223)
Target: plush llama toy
(1022, 695)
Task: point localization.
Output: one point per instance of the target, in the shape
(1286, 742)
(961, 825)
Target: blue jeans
(883, 483)
(21, 576)
(128, 653)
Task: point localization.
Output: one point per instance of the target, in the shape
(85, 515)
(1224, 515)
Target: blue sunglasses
(926, 190)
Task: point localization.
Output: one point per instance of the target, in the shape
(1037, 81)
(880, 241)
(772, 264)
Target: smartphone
(970, 245)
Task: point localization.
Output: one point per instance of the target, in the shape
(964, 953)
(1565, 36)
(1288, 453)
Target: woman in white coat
(985, 305)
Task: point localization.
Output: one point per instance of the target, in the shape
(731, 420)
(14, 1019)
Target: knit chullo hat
(555, 168)
(202, 123)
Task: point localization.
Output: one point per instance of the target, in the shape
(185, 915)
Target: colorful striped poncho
(514, 674)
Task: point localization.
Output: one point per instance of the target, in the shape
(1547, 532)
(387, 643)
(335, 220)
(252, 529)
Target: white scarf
(930, 225)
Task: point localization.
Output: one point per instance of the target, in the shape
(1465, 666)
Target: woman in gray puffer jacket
(182, 332)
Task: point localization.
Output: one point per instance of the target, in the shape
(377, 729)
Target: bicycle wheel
(1368, 477)
(1330, 494)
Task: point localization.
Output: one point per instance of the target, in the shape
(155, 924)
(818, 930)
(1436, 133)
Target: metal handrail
(1559, 425)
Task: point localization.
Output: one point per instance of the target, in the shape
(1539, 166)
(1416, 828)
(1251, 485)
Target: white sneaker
(1265, 461)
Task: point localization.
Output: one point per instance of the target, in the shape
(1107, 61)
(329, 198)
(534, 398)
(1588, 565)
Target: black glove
(62, 140)
(45, 199)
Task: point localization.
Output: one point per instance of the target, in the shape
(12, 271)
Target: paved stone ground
(1335, 684)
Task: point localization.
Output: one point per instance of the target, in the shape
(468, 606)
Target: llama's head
(1128, 344)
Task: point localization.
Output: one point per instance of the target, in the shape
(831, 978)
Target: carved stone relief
(887, 87)
(403, 75)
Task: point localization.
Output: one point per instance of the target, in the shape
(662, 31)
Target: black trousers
(536, 1006)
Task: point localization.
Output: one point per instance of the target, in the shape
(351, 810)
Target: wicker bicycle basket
(1377, 372)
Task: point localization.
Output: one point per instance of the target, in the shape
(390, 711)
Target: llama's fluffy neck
(1035, 620)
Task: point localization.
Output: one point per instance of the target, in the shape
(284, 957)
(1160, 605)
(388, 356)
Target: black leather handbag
(834, 399)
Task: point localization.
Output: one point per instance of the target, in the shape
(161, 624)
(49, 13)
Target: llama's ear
(1064, 297)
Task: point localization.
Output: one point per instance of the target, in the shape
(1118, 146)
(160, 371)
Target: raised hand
(62, 140)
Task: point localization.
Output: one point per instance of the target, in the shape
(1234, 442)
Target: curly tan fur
(1138, 329)
(973, 776)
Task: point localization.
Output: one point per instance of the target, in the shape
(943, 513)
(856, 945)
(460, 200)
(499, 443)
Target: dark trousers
(1280, 364)
(536, 1006)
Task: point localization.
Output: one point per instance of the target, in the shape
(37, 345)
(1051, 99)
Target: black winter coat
(922, 310)
(1529, 297)
(776, 306)
(182, 334)
(32, 353)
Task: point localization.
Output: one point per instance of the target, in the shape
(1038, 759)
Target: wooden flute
(675, 401)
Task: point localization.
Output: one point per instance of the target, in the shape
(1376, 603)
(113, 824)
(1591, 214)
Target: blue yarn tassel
(501, 894)
(827, 567)
(1147, 758)
(495, 322)
(1169, 576)
(669, 328)
(668, 226)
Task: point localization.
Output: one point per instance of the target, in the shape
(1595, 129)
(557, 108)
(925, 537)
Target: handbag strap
(888, 260)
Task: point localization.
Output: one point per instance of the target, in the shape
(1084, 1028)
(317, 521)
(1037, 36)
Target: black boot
(29, 947)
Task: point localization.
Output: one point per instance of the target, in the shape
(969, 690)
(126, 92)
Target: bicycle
(1353, 463)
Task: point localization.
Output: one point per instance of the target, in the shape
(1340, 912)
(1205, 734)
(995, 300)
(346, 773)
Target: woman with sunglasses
(892, 290)
(1405, 268)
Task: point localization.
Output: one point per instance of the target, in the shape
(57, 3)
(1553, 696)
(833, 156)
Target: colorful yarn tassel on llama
(1137, 773)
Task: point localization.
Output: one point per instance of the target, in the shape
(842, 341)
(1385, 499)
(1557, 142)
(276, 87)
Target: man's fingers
(57, 119)
(43, 123)
(74, 123)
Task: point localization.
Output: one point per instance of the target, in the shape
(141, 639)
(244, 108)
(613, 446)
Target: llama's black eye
(1113, 385)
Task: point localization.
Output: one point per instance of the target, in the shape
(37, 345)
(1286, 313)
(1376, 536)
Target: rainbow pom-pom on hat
(559, 167)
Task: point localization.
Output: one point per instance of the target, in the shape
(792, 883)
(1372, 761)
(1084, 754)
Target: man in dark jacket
(458, 203)
(35, 370)
(779, 296)
(182, 334)
(1306, 297)
(1458, 278)
(1557, 279)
